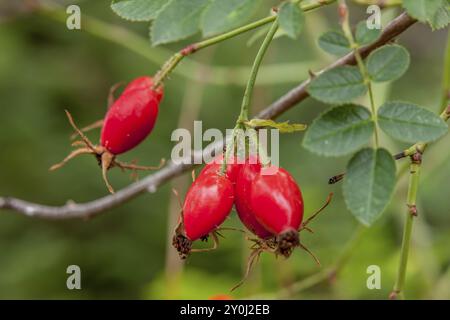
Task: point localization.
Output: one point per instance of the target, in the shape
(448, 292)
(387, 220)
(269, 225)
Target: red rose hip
(129, 120)
(277, 203)
(208, 202)
(132, 116)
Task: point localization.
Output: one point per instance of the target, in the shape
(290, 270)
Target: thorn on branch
(190, 49)
(416, 158)
(447, 110)
(332, 276)
(412, 209)
(312, 75)
(394, 295)
(343, 11)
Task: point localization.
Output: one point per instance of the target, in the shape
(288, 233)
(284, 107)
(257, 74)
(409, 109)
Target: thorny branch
(152, 182)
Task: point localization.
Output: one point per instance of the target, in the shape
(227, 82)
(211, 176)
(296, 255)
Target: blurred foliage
(45, 68)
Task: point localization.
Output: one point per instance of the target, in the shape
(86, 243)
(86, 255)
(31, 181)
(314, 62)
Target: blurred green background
(125, 253)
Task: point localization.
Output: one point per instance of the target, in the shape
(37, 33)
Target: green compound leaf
(222, 16)
(178, 20)
(388, 63)
(364, 35)
(422, 10)
(369, 184)
(291, 19)
(441, 18)
(339, 131)
(138, 10)
(335, 43)
(410, 123)
(338, 85)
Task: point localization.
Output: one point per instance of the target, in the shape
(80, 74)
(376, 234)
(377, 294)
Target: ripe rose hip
(132, 116)
(244, 183)
(277, 203)
(129, 120)
(207, 204)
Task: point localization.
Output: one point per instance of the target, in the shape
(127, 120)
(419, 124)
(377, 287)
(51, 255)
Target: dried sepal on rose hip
(129, 120)
(208, 203)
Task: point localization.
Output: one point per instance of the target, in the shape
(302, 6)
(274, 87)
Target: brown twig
(153, 181)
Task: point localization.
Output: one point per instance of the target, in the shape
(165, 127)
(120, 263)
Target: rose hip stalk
(208, 202)
(129, 120)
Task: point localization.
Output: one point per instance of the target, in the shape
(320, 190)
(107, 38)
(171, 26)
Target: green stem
(177, 57)
(381, 3)
(345, 22)
(446, 78)
(415, 152)
(398, 292)
(372, 108)
(243, 115)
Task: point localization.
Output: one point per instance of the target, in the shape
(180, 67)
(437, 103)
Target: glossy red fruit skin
(215, 166)
(208, 202)
(244, 183)
(143, 83)
(132, 116)
(277, 202)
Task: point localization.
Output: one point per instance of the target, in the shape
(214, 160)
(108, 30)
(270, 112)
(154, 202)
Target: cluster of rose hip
(267, 199)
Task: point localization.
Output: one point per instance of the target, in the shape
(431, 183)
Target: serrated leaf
(364, 35)
(388, 63)
(338, 85)
(177, 20)
(369, 184)
(222, 16)
(284, 127)
(291, 19)
(422, 10)
(441, 18)
(410, 123)
(339, 131)
(335, 43)
(138, 10)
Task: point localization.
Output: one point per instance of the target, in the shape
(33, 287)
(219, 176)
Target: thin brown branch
(152, 182)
